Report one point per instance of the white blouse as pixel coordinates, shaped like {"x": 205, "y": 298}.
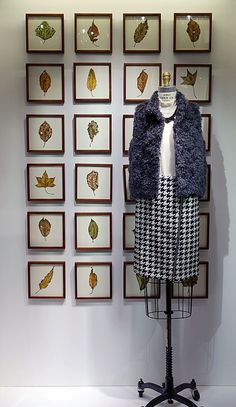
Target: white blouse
{"x": 167, "y": 148}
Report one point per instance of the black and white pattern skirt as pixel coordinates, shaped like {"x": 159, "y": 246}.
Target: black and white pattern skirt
{"x": 167, "y": 235}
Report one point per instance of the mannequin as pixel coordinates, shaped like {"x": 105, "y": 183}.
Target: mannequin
{"x": 167, "y": 176}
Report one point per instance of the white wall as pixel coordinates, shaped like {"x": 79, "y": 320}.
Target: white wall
{"x": 68, "y": 343}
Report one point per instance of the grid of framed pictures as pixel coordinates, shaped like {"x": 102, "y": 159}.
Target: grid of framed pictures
{"x": 92, "y": 84}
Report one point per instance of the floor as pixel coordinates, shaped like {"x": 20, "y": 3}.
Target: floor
{"x": 104, "y": 397}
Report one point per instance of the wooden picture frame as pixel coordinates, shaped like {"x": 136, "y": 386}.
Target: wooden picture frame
{"x": 199, "y": 290}
{"x": 140, "y": 81}
{"x": 128, "y": 231}
{"x": 93, "y": 33}
{"x": 194, "y": 81}
{"x": 93, "y": 183}
{"x": 142, "y": 33}
{"x": 127, "y": 132}
{"x": 93, "y": 133}
{"x": 93, "y": 231}
{"x": 207, "y": 195}
{"x": 127, "y": 196}
{"x": 92, "y": 82}
{"x": 134, "y": 286}
{"x": 204, "y": 230}
{"x": 192, "y": 32}
{"x": 45, "y": 134}
{"x": 206, "y": 130}
{"x": 44, "y": 33}
{"x": 93, "y": 281}
{"x": 46, "y": 182}
{"x": 45, "y": 83}
{"x": 46, "y": 230}
{"x": 46, "y": 280}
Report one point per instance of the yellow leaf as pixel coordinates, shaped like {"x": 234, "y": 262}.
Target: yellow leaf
{"x": 45, "y": 182}
{"x": 44, "y": 283}
{"x": 91, "y": 80}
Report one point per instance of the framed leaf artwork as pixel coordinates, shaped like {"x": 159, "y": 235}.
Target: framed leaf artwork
{"x": 127, "y": 131}
{"x": 140, "y": 81}
{"x": 45, "y": 83}
{"x": 141, "y": 33}
{"x": 93, "y": 133}
{"x": 45, "y": 134}
{"x": 206, "y": 130}
{"x": 200, "y": 288}
{"x": 93, "y": 231}
{"x": 137, "y": 286}
{"x": 204, "y": 231}
{"x": 192, "y": 32}
{"x": 45, "y": 33}
{"x": 128, "y": 230}
{"x": 92, "y": 82}
{"x": 93, "y": 183}
{"x": 93, "y": 281}
{"x": 93, "y": 33}
{"x": 46, "y": 230}
{"x": 46, "y": 182}
{"x": 46, "y": 279}
{"x": 127, "y": 196}
{"x": 206, "y": 197}
{"x": 194, "y": 81}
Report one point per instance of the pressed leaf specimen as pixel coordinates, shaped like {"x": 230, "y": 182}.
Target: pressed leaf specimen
{"x": 91, "y": 80}
{"x": 93, "y": 33}
{"x": 45, "y": 132}
{"x": 142, "y": 281}
{"x": 44, "y": 283}
{"x": 45, "y": 182}
{"x": 44, "y": 227}
{"x": 142, "y": 81}
{"x": 93, "y": 280}
{"x": 92, "y": 130}
{"x": 193, "y": 31}
{"x": 190, "y": 80}
{"x": 45, "y": 81}
{"x": 93, "y": 229}
{"x": 45, "y": 31}
{"x": 140, "y": 32}
{"x": 92, "y": 180}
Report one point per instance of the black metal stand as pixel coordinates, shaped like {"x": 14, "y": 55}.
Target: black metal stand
{"x": 167, "y": 390}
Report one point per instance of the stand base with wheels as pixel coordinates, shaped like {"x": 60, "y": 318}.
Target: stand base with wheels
{"x": 167, "y": 390}
{"x": 170, "y": 393}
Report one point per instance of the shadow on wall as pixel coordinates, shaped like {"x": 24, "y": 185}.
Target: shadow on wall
{"x": 194, "y": 338}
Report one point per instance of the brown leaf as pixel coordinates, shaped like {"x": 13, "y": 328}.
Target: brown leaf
{"x": 140, "y": 32}
{"x": 92, "y": 180}
{"x": 93, "y": 33}
{"x": 193, "y": 30}
{"x": 142, "y": 281}
{"x": 93, "y": 280}
{"x": 45, "y": 132}
{"x": 142, "y": 81}
{"x": 45, "y": 81}
{"x": 44, "y": 227}
{"x": 45, "y": 182}
{"x": 91, "y": 80}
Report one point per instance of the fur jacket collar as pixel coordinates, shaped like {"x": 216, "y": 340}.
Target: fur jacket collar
{"x": 144, "y": 150}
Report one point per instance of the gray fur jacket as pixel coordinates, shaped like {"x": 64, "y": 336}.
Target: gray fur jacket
{"x": 144, "y": 150}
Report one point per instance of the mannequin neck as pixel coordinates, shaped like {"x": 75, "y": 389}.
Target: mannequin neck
{"x": 167, "y": 98}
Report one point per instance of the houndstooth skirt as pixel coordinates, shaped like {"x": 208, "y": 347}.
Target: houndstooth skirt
{"x": 167, "y": 235}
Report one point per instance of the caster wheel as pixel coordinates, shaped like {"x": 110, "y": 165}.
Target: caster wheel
{"x": 196, "y": 395}
{"x": 140, "y": 393}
